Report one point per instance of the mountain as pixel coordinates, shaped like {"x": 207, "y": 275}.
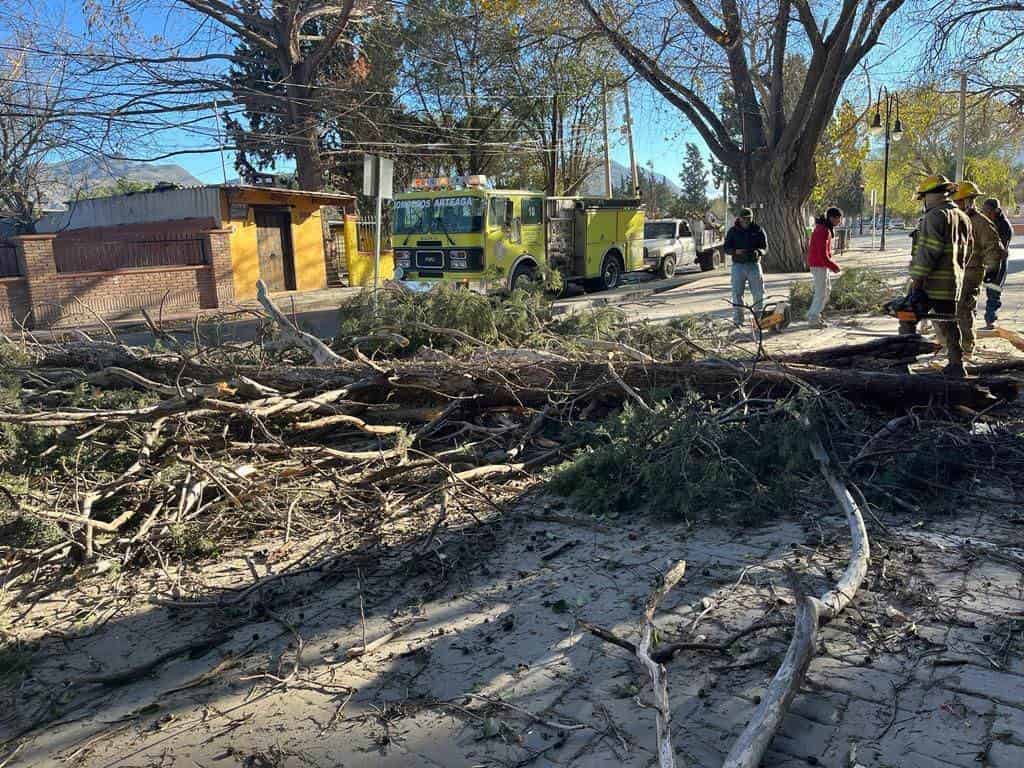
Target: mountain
{"x": 594, "y": 185}
{"x": 73, "y": 176}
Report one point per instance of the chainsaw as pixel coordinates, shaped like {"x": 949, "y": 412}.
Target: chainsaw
{"x": 775, "y": 317}
{"x": 907, "y": 311}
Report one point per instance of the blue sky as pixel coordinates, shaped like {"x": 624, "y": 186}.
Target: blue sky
{"x": 660, "y": 131}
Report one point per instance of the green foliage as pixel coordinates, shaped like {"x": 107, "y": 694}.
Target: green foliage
{"x": 525, "y": 318}
{"x": 857, "y": 289}
{"x": 839, "y": 161}
{"x": 120, "y": 187}
{"x": 190, "y": 542}
{"x": 801, "y": 294}
{"x": 929, "y": 115}
{"x": 26, "y": 446}
{"x": 684, "y": 461}
{"x": 27, "y": 532}
{"x": 693, "y": 199}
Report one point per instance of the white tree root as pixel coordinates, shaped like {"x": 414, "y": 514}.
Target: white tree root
{"x": 748, "y": 750}
{"x": 659, "y": 677}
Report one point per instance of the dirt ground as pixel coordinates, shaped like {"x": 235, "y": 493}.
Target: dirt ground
{"x": 476, "y": 656}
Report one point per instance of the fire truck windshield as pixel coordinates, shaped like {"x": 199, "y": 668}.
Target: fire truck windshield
{"x": 453, "y": 215}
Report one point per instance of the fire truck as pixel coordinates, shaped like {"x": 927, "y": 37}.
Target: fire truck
{"x": 461, "y": 230}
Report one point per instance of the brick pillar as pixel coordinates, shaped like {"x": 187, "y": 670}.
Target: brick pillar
{"x": 218, "y": 251}
{"x": 35, "y": 256}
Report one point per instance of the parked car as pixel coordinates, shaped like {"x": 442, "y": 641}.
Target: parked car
{"x": 671, "y": 243}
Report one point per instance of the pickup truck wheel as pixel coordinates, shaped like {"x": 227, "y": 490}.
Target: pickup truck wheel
{"x": 667, "y": 268}
{"x": 706, "y": 260}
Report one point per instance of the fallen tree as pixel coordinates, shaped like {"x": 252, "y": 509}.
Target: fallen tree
{"x": 130, "y": 456}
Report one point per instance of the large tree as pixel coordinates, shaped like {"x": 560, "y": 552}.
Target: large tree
{"x": 297, "y": 40}
{"x": 691, "y": 50}
{"x": 352, "y": 98}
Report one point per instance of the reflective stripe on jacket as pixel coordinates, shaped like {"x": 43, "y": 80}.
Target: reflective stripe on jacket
{"x": 943, "y": 240}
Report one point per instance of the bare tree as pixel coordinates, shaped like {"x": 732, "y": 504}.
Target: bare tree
{"x": 692, "y": 50}
{"x": 46, "y": 118}
{"x": 986, "y": 39}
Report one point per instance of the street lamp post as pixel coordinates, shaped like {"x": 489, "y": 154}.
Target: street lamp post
{"x": 860, "y": 209}
{"x": 895, "y": 134}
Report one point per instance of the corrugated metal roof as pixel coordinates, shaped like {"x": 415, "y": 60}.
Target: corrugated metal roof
{"x": 196, "y": 202}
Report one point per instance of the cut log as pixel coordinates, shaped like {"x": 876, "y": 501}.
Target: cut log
{"x": 887, "y": 352}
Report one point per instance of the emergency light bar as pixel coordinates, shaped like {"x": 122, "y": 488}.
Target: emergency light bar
{"x": 450, "y": 182}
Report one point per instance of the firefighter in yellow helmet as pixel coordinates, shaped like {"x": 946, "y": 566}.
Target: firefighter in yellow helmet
{"x": 942, "y": 242}
{"x": 986, "y": 252}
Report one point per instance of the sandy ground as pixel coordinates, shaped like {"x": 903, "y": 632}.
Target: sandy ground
{"x": 490, "y": 666}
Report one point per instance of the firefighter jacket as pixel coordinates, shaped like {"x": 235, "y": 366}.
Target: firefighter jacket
{"x": 988, "y": 250}
{"x": 943, "y": 241}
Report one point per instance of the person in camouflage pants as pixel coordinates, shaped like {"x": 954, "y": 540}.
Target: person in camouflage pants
{"x": 986, "y": 253}
{"x": 942, "y": 242}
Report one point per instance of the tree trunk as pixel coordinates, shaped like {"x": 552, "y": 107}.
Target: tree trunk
{"x": 309, "y": 167}
{"x": 783, "y": 224}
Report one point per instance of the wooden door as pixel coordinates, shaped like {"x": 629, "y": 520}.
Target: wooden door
{"x": 273, "y": 241}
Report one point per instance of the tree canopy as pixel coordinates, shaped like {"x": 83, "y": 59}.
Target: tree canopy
{"x": 930, "y": 130}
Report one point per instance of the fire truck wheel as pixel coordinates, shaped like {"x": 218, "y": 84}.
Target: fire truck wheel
{"x": 611, "y": 272}
{"x": 523, "y": 277}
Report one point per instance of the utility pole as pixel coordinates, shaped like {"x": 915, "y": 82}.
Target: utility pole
{"x": 220, "y": 142}
{"x": 961, "y": 150}
{"x": 629, "y": 138}
{"x": 555, "y": 125}
{"x": 607, "y": 147}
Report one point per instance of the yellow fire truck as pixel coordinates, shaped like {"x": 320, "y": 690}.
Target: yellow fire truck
{"x": 460, "y": 230}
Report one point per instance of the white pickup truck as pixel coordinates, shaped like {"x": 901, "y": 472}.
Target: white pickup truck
{"x": 672, "y": 243}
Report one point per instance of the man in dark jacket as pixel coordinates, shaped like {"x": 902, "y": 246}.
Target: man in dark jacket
{"x": 995, "y": 279}
{"x": 746, "y": 243}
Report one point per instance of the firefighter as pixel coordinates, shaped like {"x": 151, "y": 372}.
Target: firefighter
{"x": 995, "y": 279}
{"x": 985, "y": 253}
{"x": 943, "y": 239}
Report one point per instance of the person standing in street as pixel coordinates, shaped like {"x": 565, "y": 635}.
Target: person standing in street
{"x": 746, "y": 243}
{"x": 819, "y": 259}
{"x": 943, "y": 240}
{"x": 995, "y": 279}
{"x": 985, "y": 253}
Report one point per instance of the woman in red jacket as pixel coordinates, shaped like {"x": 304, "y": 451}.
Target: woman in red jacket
{"x": 819, "y": 259}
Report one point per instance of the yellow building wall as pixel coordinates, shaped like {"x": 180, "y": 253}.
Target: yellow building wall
{"x": 306, "y": 231}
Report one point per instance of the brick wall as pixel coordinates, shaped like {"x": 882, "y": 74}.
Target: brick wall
{"x": 120, "y": 294}
{"x": 14, "y": 303}
{"x": 81, "y": 297}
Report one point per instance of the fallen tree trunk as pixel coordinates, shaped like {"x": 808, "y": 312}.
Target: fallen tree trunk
{"x": 508, "y": 379}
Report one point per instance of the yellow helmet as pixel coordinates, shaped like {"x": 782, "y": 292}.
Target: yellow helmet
{"x": 935, "y": 183}
{"x": 966, "y": 190}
